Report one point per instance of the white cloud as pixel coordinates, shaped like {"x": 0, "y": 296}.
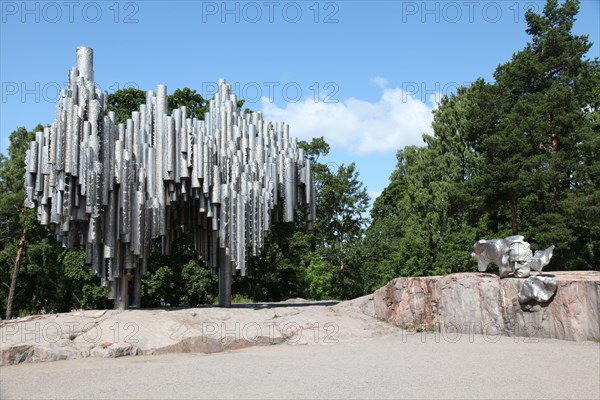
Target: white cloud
{"x": 396, "y": 120}
{"x": 374, "y": 194}
{"x": 380, "y": 81}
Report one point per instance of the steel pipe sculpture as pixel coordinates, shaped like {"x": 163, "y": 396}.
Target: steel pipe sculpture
{"x": 115, "y": 187}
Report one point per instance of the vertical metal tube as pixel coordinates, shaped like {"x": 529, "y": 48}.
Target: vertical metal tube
{"x": 85, "y": 62}
{"x": 288, "y": 215}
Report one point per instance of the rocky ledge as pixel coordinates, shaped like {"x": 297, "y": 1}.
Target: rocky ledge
{"x": 474, "y": 303}
{"x": 116, "y": 333}
{"x": 482, "y": 303}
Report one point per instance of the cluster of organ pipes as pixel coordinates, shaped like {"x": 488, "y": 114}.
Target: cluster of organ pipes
{"x": 114, "y": 187}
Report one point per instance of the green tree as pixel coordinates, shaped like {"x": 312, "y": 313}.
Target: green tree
{"x": 195, "y": 104}
{"x": 179, "y": 278}
{"x": 519, "y": 155}
{"x": 342, "y": 202}
{"x": 124, "y": 101}
{"x": 546, "y": 95}
{"x": 321, "y": 263}
{"x": 83, "y": 289}
{"x": 39, "y": 282}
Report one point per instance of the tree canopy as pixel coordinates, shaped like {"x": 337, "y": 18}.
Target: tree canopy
{"x": 518, "y": 155}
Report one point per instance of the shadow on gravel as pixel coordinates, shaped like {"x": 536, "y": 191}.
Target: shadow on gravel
{"x": 253, "y": 306}
{"x": 260, "y": 306}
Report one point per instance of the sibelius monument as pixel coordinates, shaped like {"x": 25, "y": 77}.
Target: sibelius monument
{"x": 114, "y": 187}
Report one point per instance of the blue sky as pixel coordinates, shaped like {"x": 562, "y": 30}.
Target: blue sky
{"x": 364, "y": 74}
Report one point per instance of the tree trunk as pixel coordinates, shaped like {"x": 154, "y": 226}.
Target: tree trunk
{"x": 554, "y": 141}
{"x": 13, "y": 282}
{"x": 513, "y": 213}
{"x": 554, "y": 147}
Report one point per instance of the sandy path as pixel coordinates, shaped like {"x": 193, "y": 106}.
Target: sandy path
{"x": 415, "y": 366}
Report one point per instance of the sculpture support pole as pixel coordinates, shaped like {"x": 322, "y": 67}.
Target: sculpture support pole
{"x": 224, "y": 280}
{"x": 137, "y": 293}
{"x": 122, "y": 299}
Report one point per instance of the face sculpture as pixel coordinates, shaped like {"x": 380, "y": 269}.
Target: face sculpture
{"x": 519, "y": 258}
{"x": 512, "y": 255}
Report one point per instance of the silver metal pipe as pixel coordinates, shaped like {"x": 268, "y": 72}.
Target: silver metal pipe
{"x": 85, "y": 63}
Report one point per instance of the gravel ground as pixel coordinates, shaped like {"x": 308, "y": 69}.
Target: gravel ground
{"x": 426, "y": 366}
